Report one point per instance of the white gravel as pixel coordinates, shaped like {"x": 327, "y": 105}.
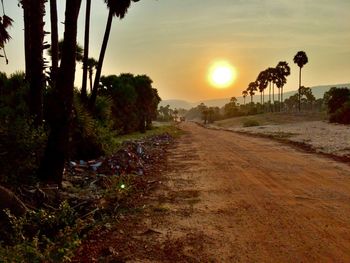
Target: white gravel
{"x": 321, "y": 136}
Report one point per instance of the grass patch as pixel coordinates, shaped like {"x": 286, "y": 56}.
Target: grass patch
{"x": 161, "y": 209}
{"x": 250, "y": 123}
{"x": 274, "y": 118}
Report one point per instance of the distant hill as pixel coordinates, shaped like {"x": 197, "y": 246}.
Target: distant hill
{"x": 318, "y": 92}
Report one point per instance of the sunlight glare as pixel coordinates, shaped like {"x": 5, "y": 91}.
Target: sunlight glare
{"x": 222, "y": 74}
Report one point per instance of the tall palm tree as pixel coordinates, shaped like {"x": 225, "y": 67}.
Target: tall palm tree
{"x": 300, "y": 59}
{"x": 262, "y": 81}
{"x": 283, "y": 70}
{"x": 86, "y": 50}
{"x": 54, "y": 40}
{"x": 34, "y": 11}
{"x": 51, "y": 167}
{"x": 117, "y": 8}
{"x": 245, "y": 94}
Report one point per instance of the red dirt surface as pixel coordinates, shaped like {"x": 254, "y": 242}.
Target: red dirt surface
{"x": 225, "y": 197}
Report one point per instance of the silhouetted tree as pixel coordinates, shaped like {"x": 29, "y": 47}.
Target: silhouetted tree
{"x": 5, "y": 23}
{"x": 252, "y": 87}
{"x": 51, "y": 168}
{"x": 34, "y": 11}
{"x": 262, "y": 83}
{"x": 86, "y": 51}
{"x": 54, "y": 40}
{"x": 245, "y": 94}
{"x": 119, "y": 9}
{"x": 300, "y": 59}
{"x": 282, "y": 70}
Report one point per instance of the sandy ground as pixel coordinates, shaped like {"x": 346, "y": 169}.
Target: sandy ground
{"x": 226, "y": 197}
{"x": 321, "y": 136}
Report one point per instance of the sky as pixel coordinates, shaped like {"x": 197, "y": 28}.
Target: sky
{"x": 175, "y": 42}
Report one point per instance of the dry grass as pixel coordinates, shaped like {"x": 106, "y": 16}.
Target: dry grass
{"x": 272, "y": 119}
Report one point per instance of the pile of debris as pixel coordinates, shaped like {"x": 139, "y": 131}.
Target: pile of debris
{"x": 84, "y": 181}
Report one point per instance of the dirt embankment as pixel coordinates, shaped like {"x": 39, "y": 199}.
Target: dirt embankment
{"x": 226, "y": 197}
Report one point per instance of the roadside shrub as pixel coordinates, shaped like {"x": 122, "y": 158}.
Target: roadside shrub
{"x": 250, "y": 123}
{"x": 338, "y": 103}
{"x": 41, "y": 236}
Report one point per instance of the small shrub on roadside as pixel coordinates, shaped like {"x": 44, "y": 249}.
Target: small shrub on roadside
{"x": 250, "y": 123}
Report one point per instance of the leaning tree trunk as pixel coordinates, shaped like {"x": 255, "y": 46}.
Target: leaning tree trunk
{"x": 86, "y": 51}
{"x": 100, "y": 61}
{"x": 51, "y": 169}
{"x": 54, "y": 41}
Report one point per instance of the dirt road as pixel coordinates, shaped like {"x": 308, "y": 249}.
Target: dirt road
{"x": 226, "y": 197}
{"x": 232, "y": 198}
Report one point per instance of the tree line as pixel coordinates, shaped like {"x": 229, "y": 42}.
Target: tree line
{"x": 44, "y": 104}
{"x": 275, "y": 76}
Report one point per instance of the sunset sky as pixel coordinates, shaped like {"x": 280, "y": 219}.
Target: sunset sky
{"x": 175, "y": 42}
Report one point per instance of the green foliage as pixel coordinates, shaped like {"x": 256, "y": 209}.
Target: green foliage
{"x": 41, "y": 236}
{"x": 250, "y": 123}
{"x": 338, "y": 102}
{"x": 21, "y": 145}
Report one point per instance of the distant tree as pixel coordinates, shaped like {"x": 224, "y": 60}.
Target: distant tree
{"x": 282, "y": 71}
{"x": 231, "y": 109}
{"x": 252, "y": 87}
{"x": 300, "y": 59}
{"x": 119, "y": 9}
{"x": 91, "y": 66}
{"x": 262, "y": 83}
{"x": 245, "y": 94}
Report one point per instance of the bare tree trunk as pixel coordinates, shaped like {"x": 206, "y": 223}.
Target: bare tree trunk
{"x": 86, "y": 50}
{"x": 51, "y": 168}
{"x": 100, "y": 60}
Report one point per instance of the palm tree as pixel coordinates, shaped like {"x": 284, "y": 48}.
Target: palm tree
{"x": 300, "y": 59}
{"x": 119, "y": 9}
{"x": 245, "y": 94}
{"x": 54, "y": 40}
{"x": 262, "y": 81}
{"x": 91, "y": 66}
{"x": 252, "y": 87}
{"x": 34, "y": 11}
{"x": 86, "y": 51}
{"x": 283, "y": 70}
{"x": 51, "y": 167}
{"x": 5, "y": 22}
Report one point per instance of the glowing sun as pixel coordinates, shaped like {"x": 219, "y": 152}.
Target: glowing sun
{"x": 222, "y": 74}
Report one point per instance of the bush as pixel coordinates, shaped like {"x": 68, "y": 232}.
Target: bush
{"x": 41, "y": 236}
{"x": 342, "y": 114}
{"x": 250, "y": 123}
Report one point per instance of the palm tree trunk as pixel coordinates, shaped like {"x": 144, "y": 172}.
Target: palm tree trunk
{"x": 26, "y": 18}
{"x": 51, "y": 168}
{"x": 86, "y": 50}
{"x": 270, "y": 97}
{"x": 282, "y": 103}
{"x": 100, "y": 60}
{"x": 90, "y": 80}
{"x": 54, "y": 40}
{"x": 299, "y": 89}
{"x": 37, "y": 60}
